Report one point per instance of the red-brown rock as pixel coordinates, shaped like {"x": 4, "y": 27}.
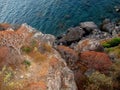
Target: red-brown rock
{"x": 69, "y": 55}
{"x": 96, "y": 60}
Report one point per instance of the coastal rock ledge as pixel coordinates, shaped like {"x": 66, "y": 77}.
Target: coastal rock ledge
{"x": 28, "y": 61}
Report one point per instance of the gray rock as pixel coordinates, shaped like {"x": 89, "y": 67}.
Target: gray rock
{"x": 109, "y": 27}
{"x": 88, "y": 26}
{"x": 46, "y": 38}
{"x": 89, "y": 45}
{"x": 97, "y": 34}
{"x": 72, "y": 35}
{"x": 60, "y": 77}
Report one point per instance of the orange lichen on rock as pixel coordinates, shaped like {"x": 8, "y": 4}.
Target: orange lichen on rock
{"x": 67, "y": 52}
{"x": 96, "y": 60}
{"x": 69, "y": 55}
{"x": 53, "y": 61}
{"x": 14, "y": 39}
{"x": 4, "y": 51}
{"x": 5, "y": 26}
{"x": 37, "y": 86}
{"x": 67, "y": 49}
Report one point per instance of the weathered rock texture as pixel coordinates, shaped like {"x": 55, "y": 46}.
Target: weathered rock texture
{"x": 96, "y": 60}
{"x": 23, "y": 66}
{"x": 89, "y": 45}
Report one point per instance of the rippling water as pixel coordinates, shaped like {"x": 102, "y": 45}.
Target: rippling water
{"x": 55, "y": 16}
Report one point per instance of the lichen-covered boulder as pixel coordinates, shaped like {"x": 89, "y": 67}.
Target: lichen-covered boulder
{"x": 89, "y": 45}
{"x": 96, "y": 60}
{"x": 69, "y": 55}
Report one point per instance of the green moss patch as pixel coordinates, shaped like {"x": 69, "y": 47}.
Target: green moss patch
{"x": 111, "y": 43}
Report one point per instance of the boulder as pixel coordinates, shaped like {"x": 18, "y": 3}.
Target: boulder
{"x": 110, "y": 27}
{"x": 88, "y": 26}
{"x": 96, "y": 60}
{"x": 72, "y": 35}
{"x": 89, "y": 45}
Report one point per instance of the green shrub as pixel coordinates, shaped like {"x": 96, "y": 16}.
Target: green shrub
{"x": 106, "y": 45}
{"x": 26, "y": 49}
{"x": 100, "y": 81}
{"x": 27, "y": 63}
{"x": 113, "y": 42}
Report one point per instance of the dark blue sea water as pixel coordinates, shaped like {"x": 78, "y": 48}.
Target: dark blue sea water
{"x": 55, "y": 16}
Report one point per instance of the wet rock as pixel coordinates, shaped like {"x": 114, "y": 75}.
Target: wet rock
{"x": 96, "y": 60}
{"x": 89, "y": 45}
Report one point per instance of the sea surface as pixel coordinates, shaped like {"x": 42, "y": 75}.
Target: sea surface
{"x": 55, "y": 16}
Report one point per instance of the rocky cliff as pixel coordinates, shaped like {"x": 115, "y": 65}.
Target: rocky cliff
{"x": 86, "y": 57}
{"x": 28, "y": 61}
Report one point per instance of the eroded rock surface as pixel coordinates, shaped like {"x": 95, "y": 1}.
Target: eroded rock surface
{"x": 24, "y": 67}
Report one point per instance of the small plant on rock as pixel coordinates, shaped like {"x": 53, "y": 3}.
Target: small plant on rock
{"x": 111, "y": 43}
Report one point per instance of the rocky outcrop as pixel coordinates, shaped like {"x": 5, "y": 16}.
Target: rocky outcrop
{"x": 72, "y": 60}
{"x": 60, "y": 77}
{"x": 85, "y": 57}
{"x": 31, "y": 69}
{"x": 69, "y": 55}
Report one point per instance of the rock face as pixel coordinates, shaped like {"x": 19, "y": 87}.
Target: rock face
{"x": 72, "y": 60}
{"x": 31, "y": 69}
{"x": 77, "y": 60}
{"x": 60, "y": 77}
{"x": 96, "y": 60}
{"x": 89, "y": 45}
{"x": 70, "y": 56}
